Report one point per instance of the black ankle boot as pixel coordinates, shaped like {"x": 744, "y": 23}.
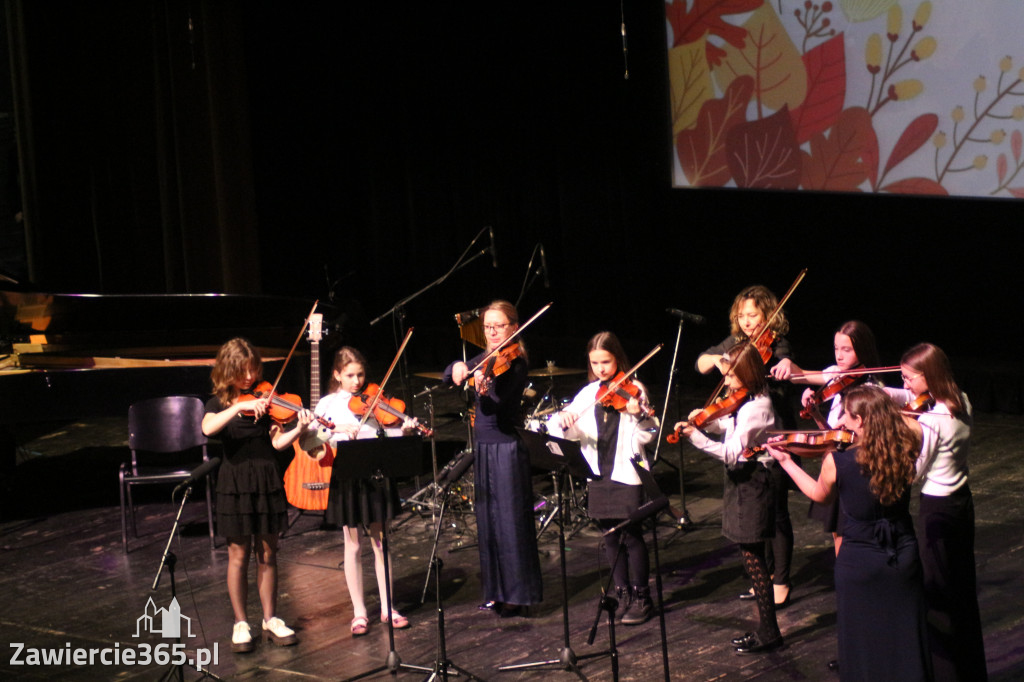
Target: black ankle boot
{"x": 625, "y": 599}
{"x": 641, "y": 608}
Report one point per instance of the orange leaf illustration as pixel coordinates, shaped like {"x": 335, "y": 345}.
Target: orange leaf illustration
{"x": 916, "y": 186}
{"x": 834, "y": 163}
{"x": 764, "y": 154}
{"x": 701, "y": 149}
{"x": 917, "y": 133}
{"x": 706, "y": 19}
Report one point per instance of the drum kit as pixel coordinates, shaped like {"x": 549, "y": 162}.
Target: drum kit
{"x": 540, "y": 409}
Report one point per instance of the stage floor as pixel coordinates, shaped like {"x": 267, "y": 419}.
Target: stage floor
{"x": 67, "y": 585}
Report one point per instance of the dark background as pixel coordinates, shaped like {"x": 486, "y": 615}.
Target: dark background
{"x": 351, "y": 151}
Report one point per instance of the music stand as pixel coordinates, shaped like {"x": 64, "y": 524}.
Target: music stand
{"x": 653, "y": 492}
{"x": 380, "y": 459}
{"x": 563, "y": 456}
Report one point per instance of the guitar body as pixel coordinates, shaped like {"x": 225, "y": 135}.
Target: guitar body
{"x": 307, "y": 480}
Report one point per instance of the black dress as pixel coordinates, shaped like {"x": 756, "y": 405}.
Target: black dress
{"x": 250, "y": 487}
{"x": 881, "y": 606}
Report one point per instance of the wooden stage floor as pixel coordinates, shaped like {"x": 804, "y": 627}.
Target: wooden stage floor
{"x": 65, "y": 584}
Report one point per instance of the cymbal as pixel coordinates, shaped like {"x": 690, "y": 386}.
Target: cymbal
{"x": 430, "y": 375}
{"x": 553, "y": 371}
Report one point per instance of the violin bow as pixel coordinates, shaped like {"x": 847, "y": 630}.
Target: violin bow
{"x": 305, "y": 323}
{"x": 848, "y": 372}
{"x": 764, "y": 327}
{"x": 621, "y": 380}
{"x": 380, "y": 391}
{"x": 511, "y": 337}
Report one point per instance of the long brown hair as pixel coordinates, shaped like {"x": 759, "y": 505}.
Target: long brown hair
{"x": 748, "y": 367}
{"x": 888, "y": 448}
{"x": 766, "y": 302}
{"x": 929, "y": 359}
{"x": 607, "y": 341}
{"x": 342, "y": 358}
{"x": 233, "y": 360}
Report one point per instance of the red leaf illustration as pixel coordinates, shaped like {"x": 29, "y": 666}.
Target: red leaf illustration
{"x": 1016, "y": 191}
{"x": 916, "y": 186}
{"x": 1015, "y": 144}
{"x": 1001, "y": 167}
{"x": 701, "y": 149}
{"x": 826, "y": 89}
{"x": 835, "y": 163}
{"x": 916, "y": 134}
{"x": 706, "y": 18}
{"x": 764, "y": 154}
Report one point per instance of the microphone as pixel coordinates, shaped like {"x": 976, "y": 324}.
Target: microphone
{"x": 494, "y": 249}
{"x": 467, "y": 316}
{"x": 644, "y": 511}
{"x": 683, "y": 315}
{"x": 198, "y": 474}
{"x": 544, "y": 267}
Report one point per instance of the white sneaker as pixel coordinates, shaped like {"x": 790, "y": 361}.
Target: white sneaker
{"x": 241, "y": 638}
{"x": 279, "y": 633}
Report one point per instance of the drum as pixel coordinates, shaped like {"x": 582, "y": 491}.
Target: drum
{"x": 545, "y": 423}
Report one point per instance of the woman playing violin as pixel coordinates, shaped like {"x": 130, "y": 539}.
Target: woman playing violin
{"x": 610, "y": 438}
{"x": 747, "y": 507}
{"x": 946, "y": 515}
{"x": 751, "y": 308}
{"x": 353, "y": 504}
{"x": 877, "y": 575}
{"x": 854, "y": 346}
{"x": 506, "y": 534}
{"x": 250, "y": 491}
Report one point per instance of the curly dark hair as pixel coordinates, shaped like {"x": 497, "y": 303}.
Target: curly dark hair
{"x": 888, "y": 448}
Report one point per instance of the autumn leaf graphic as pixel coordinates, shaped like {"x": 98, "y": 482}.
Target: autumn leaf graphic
{"x": 763, "y": 154}
{"x": 705, "y": 18}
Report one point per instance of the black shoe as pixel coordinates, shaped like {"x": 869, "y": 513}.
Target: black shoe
{"x": 510, "y": 610}
{"x": 490, "y": 606}
{"x": 640, "y": 609}
{"x": 743, "y": 639}
{"x": 833, "y": 666}
{"x": 625, "y": 598}
{"x": 753, "y": 646}
{"x": 749, "y": 594}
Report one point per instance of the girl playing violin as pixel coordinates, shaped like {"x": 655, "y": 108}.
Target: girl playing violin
{"x": 747, "y": 508}
{"x": 751, "y": 308}
{"x": 854, "y": 347}
{"x": 506, "y": 535}
{"x": 877, "y": 574}
{"x": 610, "y": 439}
{"x": 946, "y": 514}
{"x": 353, "y": 504}
{"x": 251, "y": 504}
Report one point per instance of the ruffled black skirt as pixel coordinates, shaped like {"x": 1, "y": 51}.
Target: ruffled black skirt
{"x": 250, "y": 498}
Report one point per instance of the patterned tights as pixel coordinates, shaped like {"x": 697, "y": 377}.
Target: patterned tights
{"x": 756, "y": 568}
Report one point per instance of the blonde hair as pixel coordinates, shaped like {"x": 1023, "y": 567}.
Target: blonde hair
{"x": 234, "y": 359}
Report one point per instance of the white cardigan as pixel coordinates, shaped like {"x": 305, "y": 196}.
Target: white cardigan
{"x": 633, "y": 434}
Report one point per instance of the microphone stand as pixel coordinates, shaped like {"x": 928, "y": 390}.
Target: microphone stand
{"x": 176, "y": 670}
{"x": 683, "y": 520}
{"x": 397, "y": 310}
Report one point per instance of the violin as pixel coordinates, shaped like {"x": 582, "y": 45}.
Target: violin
{"x": 833, "y": 388}
{"x": 716, "y": 410}
{"x": 498, "y": 364}
{"x": 920, "y": 404}
{"x": 387, "y": 411}
{"x": 283, "y": 406}
{"x": 763, "y": 343}
{"x": 809, "y": 443}
{"x": 624, "y": 391}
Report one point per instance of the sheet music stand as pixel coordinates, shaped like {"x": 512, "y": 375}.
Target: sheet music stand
{"x": 564, "y": 457}
{"x": 380, "y": 459}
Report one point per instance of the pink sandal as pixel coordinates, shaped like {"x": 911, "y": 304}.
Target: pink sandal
{"x": 358, "y": 627}
{"x": 399, "y": 621}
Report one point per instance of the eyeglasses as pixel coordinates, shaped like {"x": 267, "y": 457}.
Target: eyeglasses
{"x": 907, "y": 379}
{"x": 495, "y": 327}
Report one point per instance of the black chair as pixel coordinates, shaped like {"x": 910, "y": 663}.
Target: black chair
{"x": 166, "y": 439}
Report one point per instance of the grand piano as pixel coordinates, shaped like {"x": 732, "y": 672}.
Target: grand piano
{"x": 71, "y": 356}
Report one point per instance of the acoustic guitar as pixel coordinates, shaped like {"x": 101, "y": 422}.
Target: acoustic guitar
{"x": 308, "y": 477}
